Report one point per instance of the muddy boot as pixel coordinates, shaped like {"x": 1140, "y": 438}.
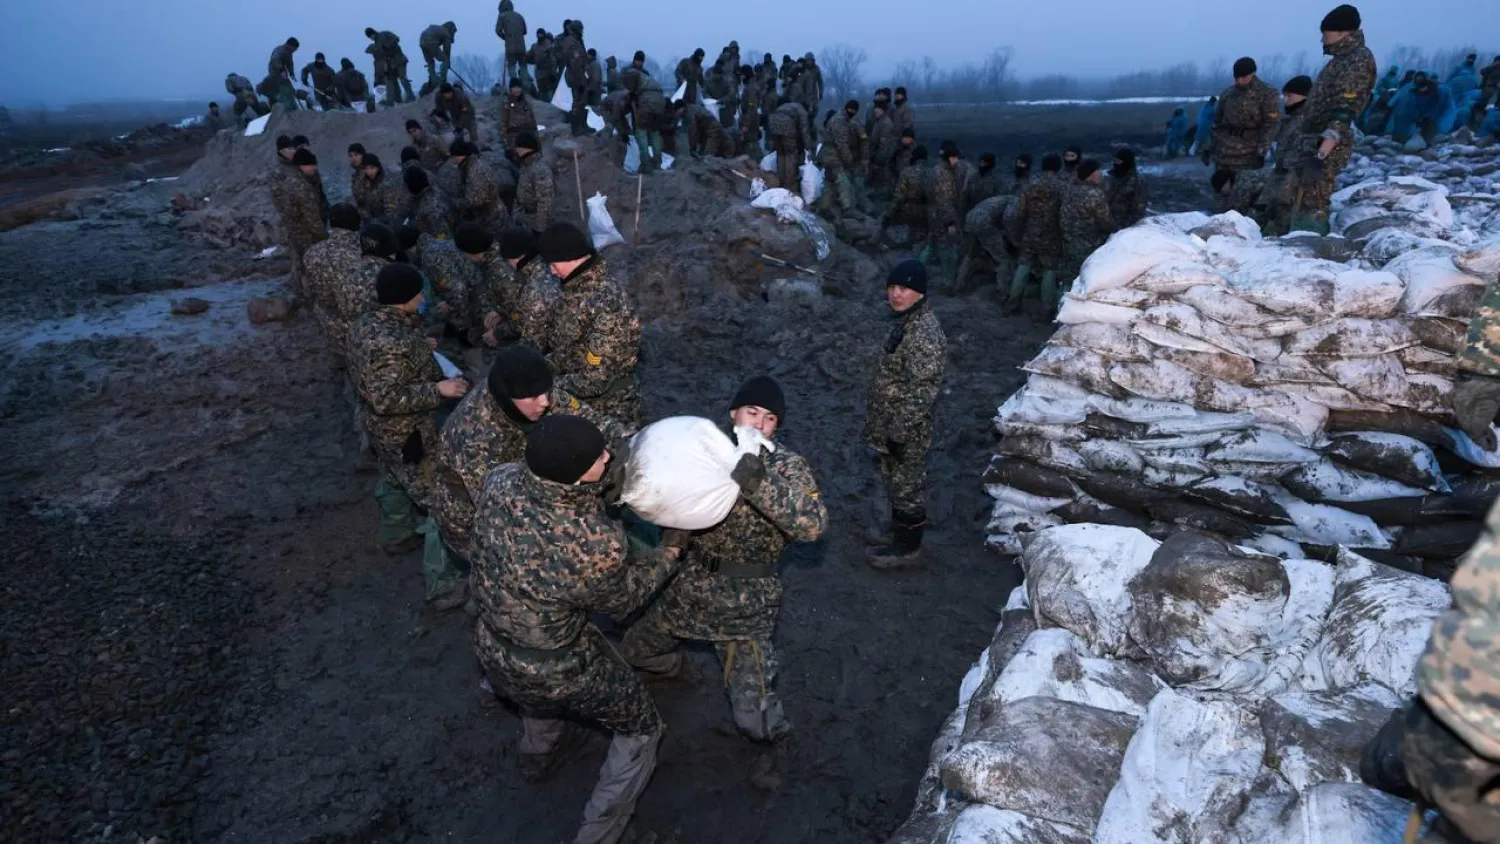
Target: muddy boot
{"x": 682, "y": 673}
{"x": 765, "y": 770}
{"x": 906, "y": 544}
{"x": 539, "y": 767}
{"x": 1017, "y": 293}
{"x": 453, "y": 599}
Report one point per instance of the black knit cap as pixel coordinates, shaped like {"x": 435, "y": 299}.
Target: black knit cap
{"x": 300, "y": 140}
{"x": 1298, "y": 85}
{"x": 416, "y": 180}
{"x": 1024, "y": 160}
{"x": 472, "y": 239}
{"x": 1244, "y": 67}
{"x": 344, "y": 216}
{"x": 761, "y": 391}
{"x": 1051, "y": 162}
{"x": 1126, "y": 155}
{"x": 408, "y": 236}
{"x": 562, "y": 448}
{"x": 527, "y": 140}
{"x": 377, "y": 239}
{"x": 398, "y": 284}
{"x": 284, "y": 142}
{"x": 305, "y": 158}
{"x": 517, "y": 243}
{"x": 563, "y": 242}
{"x": 1220, "y": 178}
{"x": 519, "y": 372}
{"x": 412, "y": 124}
{"x": 445, "y": 88}
{"x": 919, "y": 153}
{"x": 1344, "y": 18}
{"x": 1087, "y": 168}
{"x": 359, "y": 148}
{"x": 462, "y": 148}
{"x": 852, "y": 107}
{"x": 640, "y": 55}
{"x": 370, "y": 159}
{"x": 410, "y": 154}
{"x": 910, "y": 274}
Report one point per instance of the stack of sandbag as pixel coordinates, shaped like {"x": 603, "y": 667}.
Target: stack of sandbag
{"x": 1184, "y": 691}
{"x": 1203, "y": 377}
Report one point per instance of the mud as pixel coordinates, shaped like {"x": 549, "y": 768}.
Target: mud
{"x": 202, "y": 642}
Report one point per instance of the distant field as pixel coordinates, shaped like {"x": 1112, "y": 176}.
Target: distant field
{"x": 1008, "y": 130}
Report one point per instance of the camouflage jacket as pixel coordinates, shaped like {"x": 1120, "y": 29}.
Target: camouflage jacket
{"x": 942, "y": 196}
{"x": 478, "y": 198}
{"x": 1085, "y": 219}
{"x": 1244, "y": 125}
{"x": 908, "y": 380}
{"x": 516, "y": 116}
{"x": 691, "y": 73}
{"x": 596, "y": 341}
{"x": 593, "y": 77}
{"x": 786, "y": 508}
{"x": 1127, "y": 199}
{"x": 541, "y": 295}
{"x": 612, "y": 79}
{"x": 1481, "y": 353}
{"x": 481, "y": 436}
{"x": 511, "y": 28}
{"x": 325, "y": 266}
{"x": 302, "y": 205}
{"x": 388, "y": 46}
{"x": 1289, "y": 138}
{"x": 543, "y": 57}
{"x": 498, "y": 291}
{"x": 322, "y": 77}
{"x": 1459, "y": 675}
{"x": 910, "y": 195}
{"x": 573, "y": 57}
{"x": 703, "y": 129}
{"x": 280, "y": 64}
{"x": 1342, "y": 90}
{"x": 883, "y": 142}
{"x": 432, "y": 212}
{"x": 789, "y": 120}
{"x": 535, "y": 192}
{"x": 545, "y": 555}
{"x": 905, "y": 119}
{"x": 843, "y": 145}
{"x": 351, "y": 84}
{"x": 616, "y": 111}
{"x": 436, "y": 41}
{"x": 460, "y": 111}
{"x": 354, "y": 293}
{"x": 453, "y": 278}
{"x": 431, "y": 151}
{"x": 396, "y": 377}
{"x": 385, "y": 200}
{"x": 238, "y": 85}
{"x": 1039, "y": 214}
{"x": 982, "y": 186}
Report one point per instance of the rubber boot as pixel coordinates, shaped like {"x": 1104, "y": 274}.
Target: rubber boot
{"x": 906, "y": 545}
{"x": 1310, "y": 222}
{"x": 947, "y": 255}
{"x": 643, "y": 147}
{"x": 1050, "y": 296}
{"x": 656, "y": 149}
{"x": 1017, "y": 291}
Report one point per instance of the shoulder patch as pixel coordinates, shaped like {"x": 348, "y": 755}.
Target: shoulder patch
{"x": 592, "y": 359}
{"x": 573, "y": 403}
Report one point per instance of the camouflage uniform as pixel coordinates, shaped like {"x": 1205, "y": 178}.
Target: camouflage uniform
{"x": 728, "y": 593}
{"x": 511, "y": 28}
{"x": 431, "y": 153}
{"x": 943, "y": 213}
{"x": 750, "y": 117}
{"x": 596, "y": 341}
{"x": 545, "y": 556}
{"x": 1127, "y": 199}
{"x": 691, "y": 73}
{"x": 985, "y": 229}
{"x": 303, "y": 208}
{"x": 593, "y": 82}
{"x": 842, "y": 158}
{"x": 385, "y": 200}
{"x": 325, "y": 265}
{"x": 323, "y": 79}
{"x": 543, "y": 59}
{"x": 1244, "y": 125}
{"x": 649, "y": 105}
{"x": 436, "y": 42}
{"x": 541, "y": 295}
{"x": 535, "y": 194}
{"x": 280, "y": 72}
{"x": 790, "y": 138}
{"x": 884, "y": 139}
{"x": 617, "y": 117}
{"x": 1339, "y": 95}
{"x": 906, "y": 119}
{"x": 460, "y": 111}
{"x": 454, "y": 279}
{"x": 1038, "y": 215}
{"x": 354, "y": 293}
{"x": 516, "y": 116}
{"x": 898, "y": 422}
{"x": 1086, "y": 224}
{"x": 247, "y": 104}
{"x": 706, "y": 136}
{"x": 396, "y": 378}
{"x": 351, "y": 87}
{"x": 909, "y": 198}
{"x": 392, "y": 60}
{"x": 574, "y": 58}
{"x": 478, "y": 198}
{"x": 433, "y": 213}
{"x": 498, "y": 291}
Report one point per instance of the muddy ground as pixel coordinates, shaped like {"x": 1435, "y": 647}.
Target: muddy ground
{"x": 201, "y": 642}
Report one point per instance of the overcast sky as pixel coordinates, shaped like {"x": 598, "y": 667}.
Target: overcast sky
{"x": 59, "y": 51}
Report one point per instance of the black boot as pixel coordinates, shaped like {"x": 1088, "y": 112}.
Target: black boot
{"x": 906, "y": 545}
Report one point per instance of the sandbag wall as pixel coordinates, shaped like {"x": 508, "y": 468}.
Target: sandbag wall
{"x": 1288, "y": 394}
{"x": 1178, "y": 692}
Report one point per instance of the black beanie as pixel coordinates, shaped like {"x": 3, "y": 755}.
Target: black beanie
{"x": 761, "y": 391}
{"x": 305, "y": 158}
{"x": 472, "y": 239}
{"x": 517, "y": 84}
{"x": 1220, "y": 178}
{"x": 910, "y": 274}
{"x": 1077, "y": 153}
{"x": 408, "y": 236}
{"x": 370, "y": 159}
{"x": 1345, "y": 18}
{"x": 1298, "y": 85}
{"x": 345, "y": 64}
{"x": 359, "y": 148}
{"x": 300, "y": 140}
{"x": 462, "y": 148}
{"x": 1127, "y": 156}
{"x": 412, "y": 124}
{"x": 284, "y": 142}
{"x": 1087, "y": 168}
{"x": 563, "y": 448}
{"x": 344, "y": 216}
{"x": 378, "y": 240}
{"x": 445, "y": 88}
{"x": 1051, "y": 162}
{"x": 416, "y": 180}
{"x": 527, "y": 140}
{"x": 519, "y": 372}
{"x": 919, "y": 153}
{"x": 640, "y": 55}
{"x": 517, "y": 243}
{"x": 949, "y": 150}
{"x": 397, "y": 284}
{"x": 564, "y": 242}
{"x": 410, "y": 154}
{"x": 1024, "y": 160}
{"x": 852, "y": 107}
{"x": 1244, "y": 67}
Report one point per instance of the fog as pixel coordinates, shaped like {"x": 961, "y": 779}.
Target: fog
{"x": 87, "y": 50}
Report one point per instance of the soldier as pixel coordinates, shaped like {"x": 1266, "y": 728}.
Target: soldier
{"x": 382, "y": 199}
{"x": 1202, "y": 133}
{"x": 729, "y": 98}
{"x": 545, "y": 63}
{"x": 1245, "y": 121}
{"x": 478, "y": 197}
{"x": 326, "y": 264}
{"x": 1040, "y": 228}
{"x": 432, "y": 153}
{"x": 706, "y": 136}
{"x": 436, "y": 42}
{"x": 320, "y": 77}
{"x": 536, "y": 190}
{"x": 1085, "y": 218}
{"x": 791, "y": 139}
{"x": 1071, "y": 158}
{"x": 596, "y": 337}
{"x": 432, "y": 210}
{"x": 749, "y": 118}
{"x": 511, "y": 28}
{"x": 943, "y": 213}
{"x": 401, "y": 387}
{"x": 1278, "y": 201}
{"x": 617, "y": 119}
{"x": 247, "y": 104}
{"x": 459, "y": 110}
{"x": 1176, "y": 131}
{"x": 298, "y": 197}
{"x": 280, "y": 71}
{"x": 906, "y": 119}
{"x": 898, "y": 424}
{"x": 214, "y": 121}
{"x": 883, "y": 145}
{"x": 649, "y": 105}
{"x": 611, "y": 76}
{"x": 497, "y": 289}
{"x": 593, "y": 80}
{"x": 351, "y": 87}
{"x": 541, "y": 294}
{"x": 808, "y": 91}
{"x": 842, "y": 158}
{"x": 1340, "y": 93}
{"x": 454, "y": 280}
{"x": 356, "y": 154}
{"x": 690, "y": 73}
{"x": 1239, "y": 192}
{"x": 516, "y": 115}
{"x": 1476, "y": 388}
{"x": 728, "y": 591}
{"x": 354, "y": 293}
{"x": 1126, "y": 191}
{"x": 985, "y": 183}
{"x": 385, "y": 46}
{"x": 575, "y": 60}
{"x": 984, "y": 232}
{"x": 909, "y": 198}
{"x": 545, "y": 557}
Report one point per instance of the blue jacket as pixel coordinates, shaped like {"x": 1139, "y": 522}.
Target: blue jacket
{"x": 1491, "y": 124}
{"x": 1463, "y": 81}
{"x": 1411, "y": 109}
{"x": 1176, "y": 129}
{"x": 1462, "y": 69}
{"x": 1206, "y": 121}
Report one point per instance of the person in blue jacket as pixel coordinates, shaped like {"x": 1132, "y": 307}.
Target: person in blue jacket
{"x": 1468, "y": 67}
{"x": 1467, "y": 110}
{"x": 1426, "y": 108}
{"x": 1176, "y": 132}
{"x": 1205, "y": 128}
{"x": 1490, "y": 128}
{"x": 1464, "y": 78}
{"x": 1387, "y": 85}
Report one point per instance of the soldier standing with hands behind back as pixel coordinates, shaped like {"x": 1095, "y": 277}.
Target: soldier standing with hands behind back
{"x": 1245, "y": 122}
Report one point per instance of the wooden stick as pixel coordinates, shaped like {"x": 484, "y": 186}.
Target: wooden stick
{"x": 578, "y": 180}
{"x": 635, "y": 235}
{"x": 789, "y": 265}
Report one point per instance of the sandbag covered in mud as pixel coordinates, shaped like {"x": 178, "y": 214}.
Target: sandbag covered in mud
{"x": 1440, "y": 540}
{"x": 1325, "y": 524}
{"x": 678, "y": 475}
{"x": 1056, "y": 664}
{"x": 1076, "y": 579}
{"x": 1028, "y": 476}
{"x": 1128, "y": 254}
{"x": 1328, "y": 481}
{"x": 981, "y": 824}
{"x": 1241, "y": 497}
{"x": 1400, "y": 458}
{"x": 1328, "y": 813}
{"x": 1321, "y": 736}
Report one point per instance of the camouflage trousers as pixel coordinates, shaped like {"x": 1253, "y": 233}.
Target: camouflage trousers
{"x": 906, "y": 477}
{"x": 578, "y": 118}
{"x": 986, "y": 244}
{"x": 736, "y": 614}
{"x": 838, "y": 191}
{"x": 1448, "y": 774}
{"x": 1317, "y": 192}
{"x": 1047, "y": 262}
{"x": 586, "y": 681}
{"x": 788, "y": 159}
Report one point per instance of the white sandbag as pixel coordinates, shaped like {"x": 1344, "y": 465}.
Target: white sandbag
{"x": 1327, "y": 813}
{"x": 1261, "y": 446}
{"x": 1009, "y": 520}
{"x": 1179, "y": 223}
{"x": 1324, "y": 524}
{"x": 1202, "y": 422}
{"x": 562, "y": 98}
{"x": 678, "y": 475}
{"x": 1180, "y": 461}
{"x": 1420, "y": 359}
{"x": 632, "y": 155}
{"x": 1023, "y": 500}
{"x": 1388, "y": 244}
{"x": 1195, "y": 441}
{"x": 1056, "y": 664}
{"x": 1230, "y": 224}
{"x": 1113, "y": 341}
{"x": 1482, "y": 261}
{"x": 1376, "y": 377}
{"x": 1139, "y": 410}
{"x": 1371, "y": 294}
{"x": 1429, "y": 279}
{"x": 1328, "y": 481}
{"x": 1243, "y": 497}
{"x": 1176, "y": 276}
{"x": 1321, "y": 736}
{"x": 1299, "y": 419}
{"x": 1286, "y": 285}
{"x": 257, "y": 126}
{"x": 1111, "y": 456}
{"x": 1276, "y": 546}
{"x": 448, "y": 368}
{"x": 1076, "y": 310}
{"x": 811, "y": 180}
{"x": 1024, "y": 406}
{"x": 768, "y": 162}
{"x": 1183, "y": 320}
{"x": 1470, "y": 451}
{"x": 1352, "y": 337}
{"x": 1427, "y": 394}
{"x": 1189, "y": 766}
{"x": 1174, "y": 479}
{"x": 1054, "y": 388}
{"x": 1126, "y": 297}
{"x": 1089, "y": 370}
{"x": 1221, "y": 306}
{"x": 1377, "y": 629}
{"x": 1289, "y": 369}
{"x": 1045, "y": 452}
{"x": 981, "y": 824}
{"x": 594, "y": 120}
{"x": 1076, "y": 577}
{"x": 1220, "y": 366}
{"x": 1128, "y": 254}
{"x": 1401, "y": 458}
{"x": 1070, "y": 434}
{"x": 601, "y": 227}
{"x": 680, "y": 93}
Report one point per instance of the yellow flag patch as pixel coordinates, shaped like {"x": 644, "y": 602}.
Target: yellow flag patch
{"x": 573, "y": 404}
{"x": 592, "y": 359}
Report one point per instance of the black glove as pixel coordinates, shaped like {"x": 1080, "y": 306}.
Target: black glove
{"x": 1312, "y": 169}
{"x": 897, "y": 450}
{"x": 1205, "y": 156}
{"x": 1476, "y": 400}
{"x": 1260, "y": 163}
{"x": 412, "y": 451}
{"x": 749, "y": 473}
{"x": 614, "y": 476}
{"x": 674, "y": 538}
{"x": 893, "y": 340}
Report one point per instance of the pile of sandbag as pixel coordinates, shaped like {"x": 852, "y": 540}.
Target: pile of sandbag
{"x": 1178, "y": 692}
{"x": 1470, "y": 174}
{"x": 1289, "y": 394}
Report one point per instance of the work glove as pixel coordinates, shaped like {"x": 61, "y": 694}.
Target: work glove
{"x": 1312, "y": 169}
{"x": 412, "y": 451}
{"x": 893, "y": 340}
{"x": 614, "y": 476}
{"x": 1205, "y": 156}
{"x": 674, "y": 538}
{"x": 897, "y": 450}
{"x": 749, "y": 473}
{"x": 1476, "y": 400}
